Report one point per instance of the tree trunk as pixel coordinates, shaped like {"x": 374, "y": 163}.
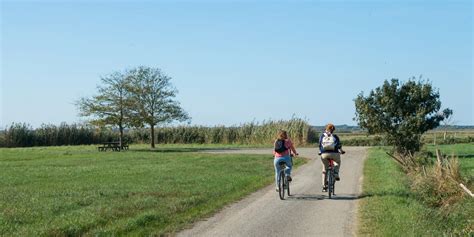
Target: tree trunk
{"x": 152, "y": 136}
{"x": 121, "y": 137}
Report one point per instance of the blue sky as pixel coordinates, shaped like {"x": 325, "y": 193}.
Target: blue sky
{"x": 234, "y": 61}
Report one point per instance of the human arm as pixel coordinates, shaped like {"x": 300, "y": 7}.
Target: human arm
{"x": 292, "y": 148}
{"x": 273, "y": 151}
{"x": 339, "y": 145}
{"x": 320, "y": 144}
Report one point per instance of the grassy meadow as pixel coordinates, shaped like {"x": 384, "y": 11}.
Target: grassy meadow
{"x": 390, "y": 208}
{"x": 75, "y": 190}
{"x": 465, "y": 153}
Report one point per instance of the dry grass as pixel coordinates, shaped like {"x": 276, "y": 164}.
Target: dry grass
{"x": 438, "y": 185}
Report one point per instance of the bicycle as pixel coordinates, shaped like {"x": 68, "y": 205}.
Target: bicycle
{"x": 331, "y": 178}
{"x": 283, "y": 183}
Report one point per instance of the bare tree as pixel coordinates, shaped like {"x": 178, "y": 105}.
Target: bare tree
{"x": 152, "y": 97}
{"x": 447, "y": 123}
{"x": 111, "y": 105}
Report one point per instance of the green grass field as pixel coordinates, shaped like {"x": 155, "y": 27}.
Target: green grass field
{"x": 465, "y": 153}
{"x": 79, "y": 191}
{"x": 389, "y": 208}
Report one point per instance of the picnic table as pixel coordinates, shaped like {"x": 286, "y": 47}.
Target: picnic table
{"x": 114, "y": 146}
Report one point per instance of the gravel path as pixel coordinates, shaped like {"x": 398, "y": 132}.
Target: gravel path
{"x": 307, "y": 212}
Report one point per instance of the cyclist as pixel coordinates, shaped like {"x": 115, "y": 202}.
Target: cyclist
{"x": 330, "y": 148}
{"x": 283, "y": 147}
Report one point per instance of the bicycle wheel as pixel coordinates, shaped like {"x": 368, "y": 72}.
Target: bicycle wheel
{"x": 330, "y": 182}
{"x": 281, "y": 185}
{"x": 334, "y": 186}
{"x": 288, "y": 186}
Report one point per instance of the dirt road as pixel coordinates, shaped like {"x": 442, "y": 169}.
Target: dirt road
{"x": 307, "y": 212}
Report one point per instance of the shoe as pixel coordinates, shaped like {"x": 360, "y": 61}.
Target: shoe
{"x": 289, "y": 178}
{"x": 325, "y": 189}
{"x": 278, "y": 190}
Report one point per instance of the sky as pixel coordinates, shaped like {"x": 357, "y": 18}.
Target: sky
{"x": 234, "y": 61}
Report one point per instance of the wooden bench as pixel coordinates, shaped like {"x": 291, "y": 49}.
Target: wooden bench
{"x": 102, "y": 148}
{"x": 125, "y": 146}
{"x": 114, "y": 146}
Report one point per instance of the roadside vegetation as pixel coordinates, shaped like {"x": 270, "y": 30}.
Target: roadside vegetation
{"x": 418, "y": 191}
{"x": 72, "y": 191}
{"x": 394, "y": 205}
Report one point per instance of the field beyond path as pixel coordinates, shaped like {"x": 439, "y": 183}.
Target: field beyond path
{"x": 76, "y": 190}
{"x": 307, "y": 212}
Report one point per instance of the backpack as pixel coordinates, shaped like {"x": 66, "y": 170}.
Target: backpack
{"x": 328, "y": 142}
{"x": 280, "y": 146}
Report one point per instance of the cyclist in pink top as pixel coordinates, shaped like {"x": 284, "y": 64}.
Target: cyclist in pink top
{"x": 283, "y": 147}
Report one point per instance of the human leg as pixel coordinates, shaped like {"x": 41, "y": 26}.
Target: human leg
{"x": 289, "y": 165}
{"x": 277, "y": 169}
{"x": 325, "y": 164}
{"x": 337, "y": 164}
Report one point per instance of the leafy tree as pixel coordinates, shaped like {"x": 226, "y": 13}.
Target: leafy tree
{"x": 111, "y": 105}
{"x": 152, "y": 97}
{"x": 402, "y": 112}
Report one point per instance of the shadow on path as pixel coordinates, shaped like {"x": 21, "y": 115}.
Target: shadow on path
{"x": 315, "y": 197}
{"x": 305, "y": 197}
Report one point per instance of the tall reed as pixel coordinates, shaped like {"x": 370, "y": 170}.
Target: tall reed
{"x": 23, "y": 135}
{"x": 252, "y": 133}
